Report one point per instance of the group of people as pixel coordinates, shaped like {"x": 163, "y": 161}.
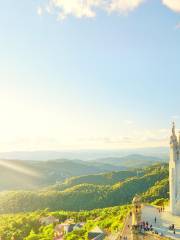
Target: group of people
{"x": 161, "y": 209}
{"x": 172, "y": 228}
{"x": 125, "y": 238}
{"x": 145, "y": 226}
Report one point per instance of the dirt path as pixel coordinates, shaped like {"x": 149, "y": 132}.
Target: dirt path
{"x": 126, "y": 232}
{"x": 127, "y": 228}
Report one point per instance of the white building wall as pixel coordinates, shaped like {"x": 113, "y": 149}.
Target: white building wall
{"x": 174, "y": 175}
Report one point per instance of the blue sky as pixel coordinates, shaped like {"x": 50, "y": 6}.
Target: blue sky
{"x": 77, "y": 76}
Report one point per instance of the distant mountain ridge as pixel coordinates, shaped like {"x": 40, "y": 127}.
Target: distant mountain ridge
{"x": 18, "y": 174}
{"x": 85, "y": 155}
{"x": 36, "y": 174}
{"x": 136, "y": 160}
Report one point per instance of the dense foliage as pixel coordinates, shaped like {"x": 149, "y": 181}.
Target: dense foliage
{"x": 96, "y": 191}
{"x": 36, "y": 174}
{"x": 27, "y": 226}
{"x": 24, "y": 226}
{"x": 77, "y": 197}
{"x": 109, "y": 178}
{"x": 43, "y": 173}
{"x": 159, "y": 190}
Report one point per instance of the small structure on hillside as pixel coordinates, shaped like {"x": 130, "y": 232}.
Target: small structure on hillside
{"x": 65, "y": 228}
{"x": 96, "y": 234}
{"x": 69, "y": 227}
{"x": 48, "y": 220}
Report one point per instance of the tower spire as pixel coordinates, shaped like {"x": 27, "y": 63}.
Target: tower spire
{"x": 173, "y": 129}
{"x": 173, "y": 139}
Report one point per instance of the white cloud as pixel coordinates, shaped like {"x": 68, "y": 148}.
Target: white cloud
{"x": 88, "y": 8}
{"x": 175, "y": 117}
{"x": 39, "y": 11}
{"x": 172, "y": 4}
{"x": 137, "y": 139}
{"x": 124, "y": 6}
{"x": 77, "y": 8}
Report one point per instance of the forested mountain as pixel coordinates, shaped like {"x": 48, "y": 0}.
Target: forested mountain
{"x": 36, "y": 174}
{"x": 159, "y": 190}
{"x": 109, "y": 178}
{"x": 90, "y": 195}
{"x": 133, "y": 160}
{"x": 93, "y": 194}
{"x": 42, "y": 173}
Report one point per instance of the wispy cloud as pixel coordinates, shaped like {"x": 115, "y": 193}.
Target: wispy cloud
{"x": 39, "y": 11}
{"x": 76, "y": 8}
{"x": 137, "y": 138}
{"x": 172, "y": 4}
{"x": 175, "y": 117}
{"x": 88, "y": 8}
{"x": 123, "y": 6}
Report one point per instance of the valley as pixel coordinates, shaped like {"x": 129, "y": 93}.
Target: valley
{"x": 95, "y": 193}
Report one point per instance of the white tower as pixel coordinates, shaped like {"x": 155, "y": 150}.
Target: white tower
{"x": 174, "y": 173}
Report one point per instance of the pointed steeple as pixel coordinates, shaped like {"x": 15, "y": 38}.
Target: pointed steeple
{"x": 173, "y": 139}
{"x": 173, "y": 129}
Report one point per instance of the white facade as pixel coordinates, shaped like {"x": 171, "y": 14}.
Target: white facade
{"x": 174, "y": 173}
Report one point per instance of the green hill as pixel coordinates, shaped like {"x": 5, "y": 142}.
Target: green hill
{"x": 159, "y": 190}
{"x": 109, "y": 178}
{"x": 86, "y": 196}
{"x": 36, "y": 174}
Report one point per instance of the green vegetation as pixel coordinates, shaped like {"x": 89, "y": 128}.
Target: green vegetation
{"x": 89, "y": 199}
{"x": 85, "y": 196}
{"x": 109, "y": 178}
{"x": 27, "y": 226}
{"x": 158, "y": 191}
{"x": 108, "y": 219}
{"x": 24, "y": 226}
{"x": 38, "y": 174}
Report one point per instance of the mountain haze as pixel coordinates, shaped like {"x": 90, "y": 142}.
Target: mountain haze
{"x": 37, "y": 174}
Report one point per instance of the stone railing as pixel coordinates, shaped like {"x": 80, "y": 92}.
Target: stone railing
{"x": 150, "y": 235}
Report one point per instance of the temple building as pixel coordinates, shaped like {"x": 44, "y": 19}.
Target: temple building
{"x": 174, "y": 173}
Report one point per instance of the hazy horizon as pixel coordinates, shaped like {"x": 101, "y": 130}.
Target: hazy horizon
{"x": 85, "y": 154}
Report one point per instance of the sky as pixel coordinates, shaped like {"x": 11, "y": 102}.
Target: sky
{"x": 88, "y": 74}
